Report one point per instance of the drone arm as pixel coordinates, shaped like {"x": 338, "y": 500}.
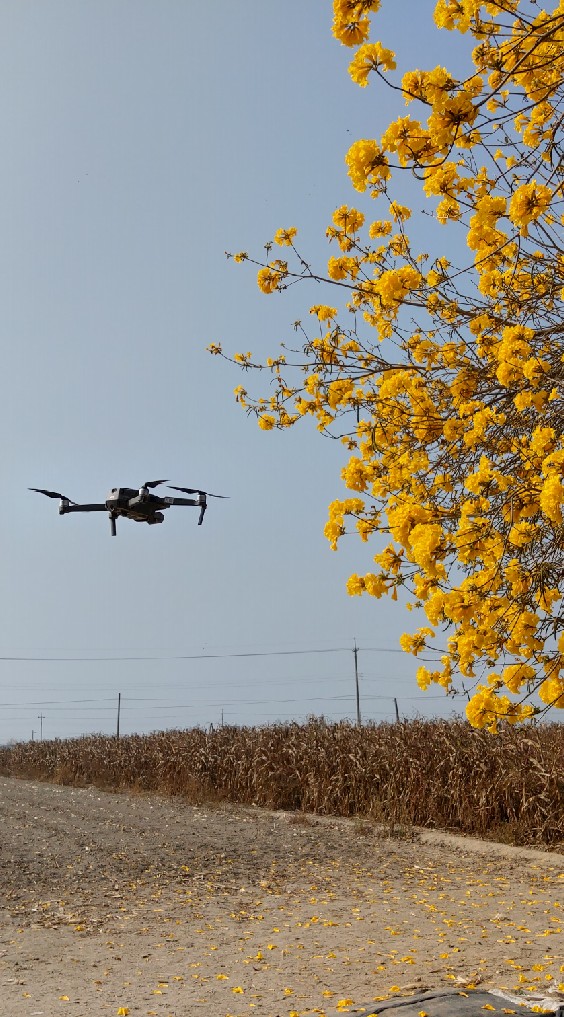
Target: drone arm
{"x": 181, "y": 501}
{"x": 200, "y": 502}
{"x": 65, "y": 507}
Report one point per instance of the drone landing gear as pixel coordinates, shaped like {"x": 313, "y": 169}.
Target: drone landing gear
{"x": 113, "y": 529}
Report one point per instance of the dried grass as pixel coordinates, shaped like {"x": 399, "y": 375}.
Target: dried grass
{"x": 423, "y": 773}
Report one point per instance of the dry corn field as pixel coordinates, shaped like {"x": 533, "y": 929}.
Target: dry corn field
{"x": 442, "y": 774}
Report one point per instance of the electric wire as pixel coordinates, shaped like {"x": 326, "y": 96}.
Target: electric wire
{"x": 196, "y": 656}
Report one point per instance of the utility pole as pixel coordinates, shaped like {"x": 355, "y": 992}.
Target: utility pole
{"x": 32, "y": 734}
{"x": 355, "y": 652}
{"x": 41, "y": 718}
{"x": 397, "y": 710}
{"x": 119, "y": 711}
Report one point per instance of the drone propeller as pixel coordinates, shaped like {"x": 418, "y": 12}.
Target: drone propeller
{"x": 196, "y": 490}
{"x": 52, "y": 494}
{"x": 153, "y": 483}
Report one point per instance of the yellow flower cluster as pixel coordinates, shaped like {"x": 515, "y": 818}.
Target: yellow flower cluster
{"x": 285, "y": 238}
{"x": 350, "y": 22}
{"x": 528, "y": 203}
{"x": 487, "y": 709}
{"x": 369, "y": 58}
{"x": 334, "y": 527}
{"x": 367, "y": 164}
{"x": 342, "y": 268}
{"x": 323, "y": 312}
{"x": 394, "y": 285}
{"x": 271, "y": 277}
{"x": 349, "y": 220}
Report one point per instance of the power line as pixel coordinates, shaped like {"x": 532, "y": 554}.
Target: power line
{"x": 191, "y": 656}
{"x": 199, "y": 656}
{"x": 228, "y": 683}
{"x": 126, "y": 701}
{"x": 54, "y": 702}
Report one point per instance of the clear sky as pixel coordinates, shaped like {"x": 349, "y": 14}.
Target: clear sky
{"x": 141, "y": 140}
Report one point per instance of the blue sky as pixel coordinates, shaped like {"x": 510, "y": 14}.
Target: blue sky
{"x": 142, "y": 140}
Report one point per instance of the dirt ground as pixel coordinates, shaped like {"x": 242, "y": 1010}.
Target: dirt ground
{"x": 126, "y": 904}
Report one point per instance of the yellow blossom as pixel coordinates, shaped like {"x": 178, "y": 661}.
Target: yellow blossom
{"x": 370, "y": 57}
{"x": 285, "y": 237}
{"x": 528, "y": 203}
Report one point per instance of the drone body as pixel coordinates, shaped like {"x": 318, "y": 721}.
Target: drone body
{"x": 134, "y": 503}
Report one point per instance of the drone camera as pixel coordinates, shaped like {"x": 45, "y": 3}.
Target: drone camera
{"x": 158, "y": 517}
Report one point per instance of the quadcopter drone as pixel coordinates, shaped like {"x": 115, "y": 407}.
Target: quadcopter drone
{"x": 140, "y": 505}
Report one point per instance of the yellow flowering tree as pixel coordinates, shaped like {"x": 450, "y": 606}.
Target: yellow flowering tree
{"x": 444, "y": 380}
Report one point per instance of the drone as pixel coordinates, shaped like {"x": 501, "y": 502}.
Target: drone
{"x": 135, "y": 503}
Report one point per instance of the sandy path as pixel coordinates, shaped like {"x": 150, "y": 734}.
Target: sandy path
{"x": 117, "y": 902}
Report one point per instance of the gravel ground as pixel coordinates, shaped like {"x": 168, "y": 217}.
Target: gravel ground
{"x": 115, "y": 903}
